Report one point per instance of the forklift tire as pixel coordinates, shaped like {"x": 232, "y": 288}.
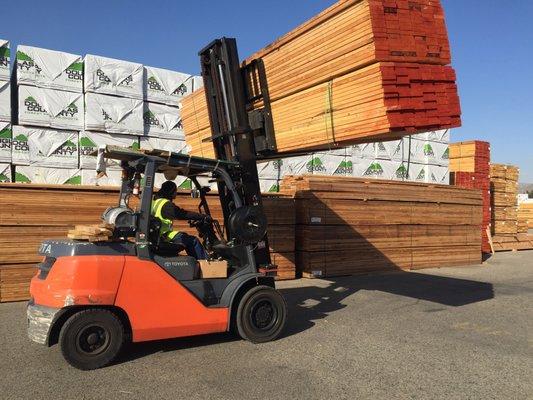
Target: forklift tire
{"x": 91, "y": 338}
{"x": 261, "y": 314}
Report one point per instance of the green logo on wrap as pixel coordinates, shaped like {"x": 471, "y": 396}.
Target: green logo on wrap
{"x": 401, "y": 172}
{"x": 150, "y": 119}
{"x": 274, "y": 188}
{"x": 4, "y": 176}
{"x": 20, "y": 143}
{"x": 181, "y": 90}
{"x": 344, "y": 168}
{"x": 33, "y": 106}
{"x": 135, "y": 146}
{"x": 21, "y": 178}
{"x": 153, "y": 84}
{"x": 186, "y": 184}
{"x": 446, "y": 154}
{"x": 374, "y": 169}
{"x": 422, "y": 175}
{"x": 87, "y": 146}
{"x": 315, "y": 165}
{"x": 67, "y": 150}
{"x": 25, "y": 63}
{"x": 428, "y": 150}
{"x": 75, "y": 180}
{"x": 277, "y": 164}
{"x": 5, "y": 139}
{"x": 4, "y": 57}
{"x": 433, "y": 178}
{"x": 70, "y": 111}
{"x": 75, "y": 71}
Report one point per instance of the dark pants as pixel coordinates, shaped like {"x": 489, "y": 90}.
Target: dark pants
{"x": 193, "y": 247}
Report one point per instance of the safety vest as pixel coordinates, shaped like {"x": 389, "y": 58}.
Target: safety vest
{"x": 166, "y": 224}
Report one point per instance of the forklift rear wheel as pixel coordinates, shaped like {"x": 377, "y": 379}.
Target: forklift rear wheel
{"x": 261, "y": 314}
{"x": 91, "y": 338}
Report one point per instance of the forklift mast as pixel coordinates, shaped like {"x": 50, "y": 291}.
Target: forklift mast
{"x": 232, "y": 136}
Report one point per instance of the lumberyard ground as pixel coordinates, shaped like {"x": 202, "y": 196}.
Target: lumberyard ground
{"x": 451, "y": 333}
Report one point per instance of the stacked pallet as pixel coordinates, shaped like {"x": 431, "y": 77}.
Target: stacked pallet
{"x": 469, "y": 168}
{"x": 348, "y": 225}
{"x": 525, "y": 215}
{"x": 508, "y": 234}
{"x": 361, "y": 70}
{"x": 32, "y": 213}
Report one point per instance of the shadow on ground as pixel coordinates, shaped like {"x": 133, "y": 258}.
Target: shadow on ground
{"x": 311, "y": 303}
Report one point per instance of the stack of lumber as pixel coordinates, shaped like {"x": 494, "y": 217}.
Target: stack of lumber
{"x": 525, "y": 215}
{"x": 362, "y": 70}
{"x": 32, "y": 213}
{"x": 347, "y": 226}
{"x": 93, "y": 233}
{"x": 504, "y": 191}
{"x": 507, "y": 233}
{"x": 469, "y": 168}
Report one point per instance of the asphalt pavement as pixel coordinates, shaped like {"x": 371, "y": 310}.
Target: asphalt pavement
{"x": 454, "y": 333}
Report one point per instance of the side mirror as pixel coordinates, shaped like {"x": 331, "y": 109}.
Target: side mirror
{"x": 195, "y": 193}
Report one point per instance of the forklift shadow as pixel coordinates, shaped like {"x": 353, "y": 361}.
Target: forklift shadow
{"x": 317, "y": 300}
{"x": 143, "y": 349}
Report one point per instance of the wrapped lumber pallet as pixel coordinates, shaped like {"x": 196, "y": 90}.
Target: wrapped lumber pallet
{"x": 508, "y": 233}
{"x": 32, "y": 213}
{"x": 469, "y": 168}
{"x": 361, "y": 70}
{"x": 349, "y": 225}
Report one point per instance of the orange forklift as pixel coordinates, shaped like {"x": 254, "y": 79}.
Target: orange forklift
{"x": 94, "y": 298}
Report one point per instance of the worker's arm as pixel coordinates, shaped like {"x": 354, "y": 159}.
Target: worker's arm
{"x": 172, "y": 211}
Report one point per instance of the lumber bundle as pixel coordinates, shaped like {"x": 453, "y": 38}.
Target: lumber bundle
{"x": 32, "y": 213}
{"x": 469, "y": 168}
{"x": 504, "y": 191}
{"x": 361, "y": 70}
{"x": 93, "y": 233}
{"x": 508, "y": 233}
{"x": 525, "y": 215}
{"x": 349, "y": 225}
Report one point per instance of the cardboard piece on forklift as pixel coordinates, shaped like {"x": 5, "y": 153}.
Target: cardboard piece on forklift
{"x": 213, "y": 269}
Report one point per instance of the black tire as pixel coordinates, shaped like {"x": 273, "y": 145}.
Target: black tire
{"x": 261, "y": 314}
{"x": 91, "y": 338}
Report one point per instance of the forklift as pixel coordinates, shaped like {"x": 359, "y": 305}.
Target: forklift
{"x": 94, "y": 298}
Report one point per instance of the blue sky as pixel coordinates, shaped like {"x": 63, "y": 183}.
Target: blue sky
{"x": 492, "y": 48}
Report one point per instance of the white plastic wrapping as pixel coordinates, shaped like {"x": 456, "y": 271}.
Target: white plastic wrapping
{"x": 51, "y": 176}
{"x": 269, "y": 185}
{"x": 6, "y": 137}
{"x": 113, "y": 114}
{"x": 49, "y": 69}
{"x": 112, "y": 177}
{"x": 165, "y": 86}
{"x": 5, "y": 173}
{"x": 110, "y": 76}
{"x": 44, "y": 147}
{"x": 152, "y": 143}
{"x": 90, "y": 141}
{"x": 197, "y": 82}
{"x": 5, "y": 101}
{"x": 50, "y": 108}
{"x": 162, "y": 121}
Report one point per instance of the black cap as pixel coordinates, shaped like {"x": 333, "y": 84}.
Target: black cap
{"x": 168, "y": 190}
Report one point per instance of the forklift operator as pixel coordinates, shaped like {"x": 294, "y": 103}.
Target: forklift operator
{"x": 165, "y": 210}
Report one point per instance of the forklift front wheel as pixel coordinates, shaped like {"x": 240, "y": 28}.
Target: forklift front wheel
{"x": 261, "y": 315}
{"x": 91, "y": 338}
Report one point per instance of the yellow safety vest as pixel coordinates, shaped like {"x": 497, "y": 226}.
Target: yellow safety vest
{"x": 165, "y": 231}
